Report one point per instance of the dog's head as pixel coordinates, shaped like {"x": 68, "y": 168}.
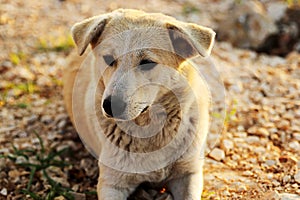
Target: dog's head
{"x": 135, "y": 51}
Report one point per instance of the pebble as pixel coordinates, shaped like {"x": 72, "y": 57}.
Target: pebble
{"x": 247, "y": 173}
{"x": 252, "y": 139}
{"x": 217, "y": 154}
{"x": 269, "y": 176}
{"x": 60, "y": 198}
{"x": 3, "y": 192}
{"x": 7, "y": 64}
{"x": 227, "y": 145}
{"x": 30, "y": 120}
{"x": 78, "y": 196}
{"x": 286, "y": 196}
{"x": 226, "y": 193}
{"x": 286, "y": 179}
{"x": 297, "y": 177}
{"x": 44, "y": 81}
{"x": 283, "y": 124}
{"x": 259, "y": 150}
{"x": 297, "y": 136}
{"x": 25, "y": 73}
{"x": 62, "y": 124}
{"x": 271, "y": 195}
{"x": 294, "y": 145}
{"x": 275, "y": 183}
{"x": 235, "y": 157}
{"x": 242, "y": 188}
{"x": 60, "y": 117}
{"x": 20, "y": 159}
{"x": 3, "y": 174}
{"x": 270, "y": 162}
{"x": 240, "y": 128}
{"x": 47, "y": 119}
{"x": 7, "y": 129}
{"x": 263, "y": 132}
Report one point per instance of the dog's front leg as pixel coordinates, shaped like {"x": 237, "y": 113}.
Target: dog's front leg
{"x": 106, "y": 192}
{"x": 188, "y": 187}
{"x": 113, "y": 185}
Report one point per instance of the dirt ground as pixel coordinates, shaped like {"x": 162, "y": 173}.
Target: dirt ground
{"x": 257, "y": 155}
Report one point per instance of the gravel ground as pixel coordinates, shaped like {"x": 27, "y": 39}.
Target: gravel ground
{"x": 258, "y": 153}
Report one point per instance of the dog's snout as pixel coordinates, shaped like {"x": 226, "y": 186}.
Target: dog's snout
{"x": 114, "y": 106}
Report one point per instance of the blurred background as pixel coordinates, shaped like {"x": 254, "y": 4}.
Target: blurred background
{"x": 256, "y": 53}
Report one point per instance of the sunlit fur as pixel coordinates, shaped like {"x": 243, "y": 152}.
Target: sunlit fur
{"x": 186, "y": 109}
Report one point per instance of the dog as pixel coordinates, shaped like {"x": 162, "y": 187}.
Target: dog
{"x": 139, "y": 103}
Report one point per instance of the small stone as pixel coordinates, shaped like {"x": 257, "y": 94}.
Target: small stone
{"x": 60, "y": 198}
{"x": 30, "y": 120}
{"x": 263, "y": 132}
{"x": 61, "y": 181}
{"x": 270, "y": 162}
{"x": 297, "y": 177}
{"x": 44, "y": 81}
{"x": 240, "y": 128}
{"x": 271, "y": 195}
{"x": 226, "y": 145}
{"x": 286, "y": 196}
{"x": 252, "y": 139}
{"x": 60, "y": 117}
{"x": 270, "y": 176}
{"x": 7, "y": 64}
{"x": 242, "y": 188}
{"x": 259, "y": 150}
{"x": 78, "y": 196}
{"x": 235, "y": 157}
{"x": 296, "y": 136}
{"x": 20, "y": 160}
{"x": 217, "y": 154}
{"x": 294, "y": 145}
{"x": 286, "y": 179}
{"x": 247, "y": 173}
{"x": 75, "y": 187}
{"x": 47, "y": 119}
{"x": 25, "y": 73}
{"x": 3, "y": 174}
{"x": 62, "y": 124}
{"x": 3, "y": 192}
{"x": 283, "y": 124}
{"x": 226, "y": 193}
{"x": 275, "y": 183}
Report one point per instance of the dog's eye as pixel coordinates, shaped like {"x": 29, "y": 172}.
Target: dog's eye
{"x": 109, "y": 60}
{"x": 146, "y": 64}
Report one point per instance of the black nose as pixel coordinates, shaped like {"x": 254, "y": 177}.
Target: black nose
{"x": 114, "y": 106}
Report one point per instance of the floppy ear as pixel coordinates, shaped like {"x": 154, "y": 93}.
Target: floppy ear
{"x": 189, "y": 39}
{"x": 88, "y": 31}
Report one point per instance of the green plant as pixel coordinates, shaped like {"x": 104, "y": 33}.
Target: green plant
{"x": 189, "y": 8}
{"x": 16, "y": 58}
{"x": 44, "y": 160}
{"x": 59, "y": 44}
{"x": 206, "y": 195}
{"x": 292, "y": 2}
{"x": 229, "y": 114}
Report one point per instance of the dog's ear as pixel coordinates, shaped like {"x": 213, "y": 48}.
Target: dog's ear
{"x": 88, "y": 31}
{"x": 189, "y": 39}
